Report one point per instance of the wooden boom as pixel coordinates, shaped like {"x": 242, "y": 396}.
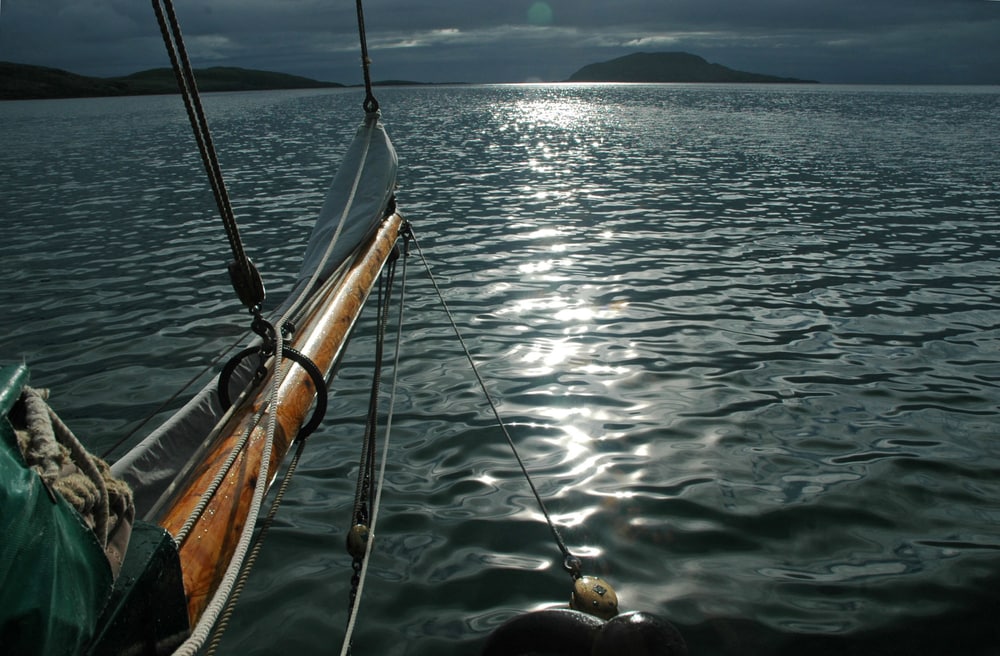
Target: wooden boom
{"x": 210, "y": 545}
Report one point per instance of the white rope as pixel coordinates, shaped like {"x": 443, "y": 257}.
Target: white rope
{"x": 346, "y": 646}
{"x": 220, "y": 476}
{"x": 209, "y": 617}
{"x": 87, "y": 464}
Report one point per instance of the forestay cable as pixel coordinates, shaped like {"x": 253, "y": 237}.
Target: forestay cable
{"x": 571, "y": 563}
{"x": 370, "y": 104}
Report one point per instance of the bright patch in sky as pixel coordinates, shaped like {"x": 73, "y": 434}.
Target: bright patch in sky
{"x": 540, "y": 13}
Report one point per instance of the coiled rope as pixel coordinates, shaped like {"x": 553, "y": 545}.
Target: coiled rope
{"x": 84, "y": 480}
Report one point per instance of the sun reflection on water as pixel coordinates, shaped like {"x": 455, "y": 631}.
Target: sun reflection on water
{"x": 546, "y": 355}
{"x": 568, "y": 361}
{"x": 536, "y": 267}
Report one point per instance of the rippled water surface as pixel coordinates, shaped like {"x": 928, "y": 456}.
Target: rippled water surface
{"x": 747, "y": 339}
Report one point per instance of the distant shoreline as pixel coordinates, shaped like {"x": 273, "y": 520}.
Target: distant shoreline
{"x": 28, "y": 82}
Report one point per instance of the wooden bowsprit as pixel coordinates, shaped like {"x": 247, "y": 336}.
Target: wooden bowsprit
{"x": 209, "y": 546}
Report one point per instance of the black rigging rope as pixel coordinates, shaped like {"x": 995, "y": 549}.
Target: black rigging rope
{"x": 370, "y": 104}
{"x": 245, "y": 277}
{"x": 367, "y": 485}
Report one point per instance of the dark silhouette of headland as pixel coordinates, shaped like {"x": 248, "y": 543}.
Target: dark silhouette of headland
{"x": 23, "y": 81}
{"x": 669, "y": 67}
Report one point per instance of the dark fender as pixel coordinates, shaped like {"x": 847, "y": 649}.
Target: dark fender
{"x": 559, "y": 632}
{"x": 553, "y": 631}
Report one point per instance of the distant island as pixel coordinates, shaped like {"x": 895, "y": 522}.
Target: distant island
{"x": 668, "y": 67}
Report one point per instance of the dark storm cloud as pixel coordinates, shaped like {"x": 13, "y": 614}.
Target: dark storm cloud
{"x": 513, "y": 40}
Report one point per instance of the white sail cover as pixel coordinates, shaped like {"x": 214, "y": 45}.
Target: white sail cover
{"x": 356, "y": 202}
{"x": 355, "y": 205}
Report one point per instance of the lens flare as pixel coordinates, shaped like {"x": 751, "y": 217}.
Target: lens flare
{"x": 540, "y": 13}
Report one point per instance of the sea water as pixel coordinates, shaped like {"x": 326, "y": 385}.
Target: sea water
{"x": 746, "y": 339}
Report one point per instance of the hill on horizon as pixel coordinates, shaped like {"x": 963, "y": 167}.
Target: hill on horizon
{"x": 669, "y": 67}
{"x": 24, "y": 81}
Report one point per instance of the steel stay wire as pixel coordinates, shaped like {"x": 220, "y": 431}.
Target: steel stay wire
{"x": 571, "y": 563}
{"x": 370, "y": 104}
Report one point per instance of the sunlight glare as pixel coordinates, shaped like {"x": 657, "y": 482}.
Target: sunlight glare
{"x": 536, "y": 267}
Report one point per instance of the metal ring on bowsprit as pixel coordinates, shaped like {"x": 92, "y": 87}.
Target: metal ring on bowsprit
{"x": 314, "y": 373}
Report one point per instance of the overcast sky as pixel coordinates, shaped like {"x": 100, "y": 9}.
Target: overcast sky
{"x": 835, "y": 41}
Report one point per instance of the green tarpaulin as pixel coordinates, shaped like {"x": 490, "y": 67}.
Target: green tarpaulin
{"x": 54, "y": 577}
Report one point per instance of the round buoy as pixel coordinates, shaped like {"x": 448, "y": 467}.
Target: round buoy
{"x": 594, "y": 596}
{"x": 357, "y": 540}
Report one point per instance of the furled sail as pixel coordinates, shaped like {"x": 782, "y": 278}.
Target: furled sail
{"x": 358, "y": 200}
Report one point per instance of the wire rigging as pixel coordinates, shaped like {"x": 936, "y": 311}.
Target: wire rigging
{"x": 370, "y": 104}
{"x": 571, "y": 563}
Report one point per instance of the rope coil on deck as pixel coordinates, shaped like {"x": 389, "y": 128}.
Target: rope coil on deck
{"x": 84, "y": 480}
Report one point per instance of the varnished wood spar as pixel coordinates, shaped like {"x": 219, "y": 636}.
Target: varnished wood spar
{"x": 209, "y": 547}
